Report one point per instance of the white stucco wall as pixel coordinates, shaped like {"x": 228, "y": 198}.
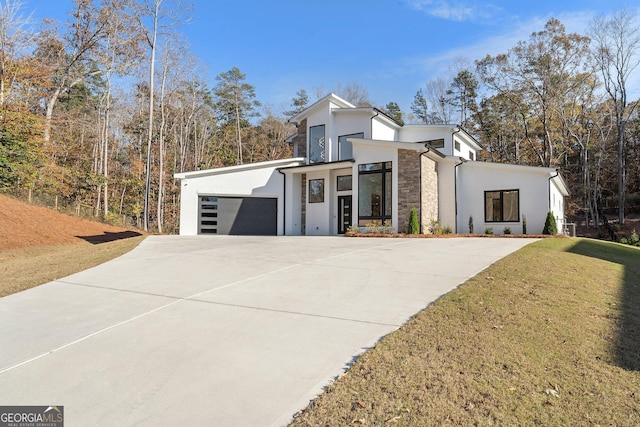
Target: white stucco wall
{"x": 382, "y": 131}
{"x": 257, "y": 180}
{"x": 474, "y": 178}
{"x": 318, "y": 214}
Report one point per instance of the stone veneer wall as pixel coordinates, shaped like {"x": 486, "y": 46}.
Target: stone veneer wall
{"x": 429, "y": 211}
{"x": 408, "y": 186}
{"x": 301, "y": 139}
{"x": 303, "y": 206}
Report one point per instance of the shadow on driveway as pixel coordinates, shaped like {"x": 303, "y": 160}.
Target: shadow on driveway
{"x": 627, "y": 346}
{"x": 109, "y": 237}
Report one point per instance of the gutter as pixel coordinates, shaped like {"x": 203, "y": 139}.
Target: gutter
{"x": 371, "y": 121}
{"x": 455, "y": 189}
{"x": 284, "y": 201}
{"x": 549, "y": 187}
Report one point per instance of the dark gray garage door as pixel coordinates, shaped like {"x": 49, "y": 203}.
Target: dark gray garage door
{"x": 238, "y": 215}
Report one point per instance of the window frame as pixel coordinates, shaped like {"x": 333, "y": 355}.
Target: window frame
{"x": 323, "y": 156}
{"x": 359, "y": 135}
{"x": 338, "y": 182}
{"x": 381, "y": 168}
{"x": 316, "y": 197}
{"x": 502, "y": 220}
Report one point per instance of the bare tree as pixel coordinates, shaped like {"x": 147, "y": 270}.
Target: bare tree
{"x": 15, "y": 38}
{"x": 616, "y": 44}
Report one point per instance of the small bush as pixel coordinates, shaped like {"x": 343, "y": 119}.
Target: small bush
{"x": 507, "y": 230}
{"x": 446, "y": 229}
{"x": 616, "y": 227}
{"x": 550, "y": 226}
{"x": 634, "y": 239}
{"x": 435, "y": 227}
{"x": 524, "y": 224}
{"x": 470, "y": 225}
{"x": 414, "y": 224}
{"x": 488, "y": 230}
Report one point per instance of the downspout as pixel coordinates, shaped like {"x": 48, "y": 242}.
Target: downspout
{"x": 420, "y": 160}
{"x": 455, "y": 189}
{"x": 284, "y": 202}
{"x": 549, "y": 187}
{"x": 455, "y": 174}
{"x": 373, "y": 117}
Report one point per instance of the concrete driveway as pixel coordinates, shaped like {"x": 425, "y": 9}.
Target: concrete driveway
{"x": 226, "y": 331}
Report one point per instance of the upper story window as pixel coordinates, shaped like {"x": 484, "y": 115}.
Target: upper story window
{"x": 471, "y": 155}
{"x": 456, "y": 144}
{"x": 345, "y": 148}
{"x": 317, "y": 145}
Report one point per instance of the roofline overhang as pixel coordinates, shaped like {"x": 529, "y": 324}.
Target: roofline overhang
{"x": 331, "y": 97}
{"x": 414, "y": 146}
{"x": 239, "y": 168}
{"x": 317, "y": 167}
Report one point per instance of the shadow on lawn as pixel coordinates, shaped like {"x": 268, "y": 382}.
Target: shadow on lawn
{"x": 109, "y": 237}
{"x": 627, "y": 346}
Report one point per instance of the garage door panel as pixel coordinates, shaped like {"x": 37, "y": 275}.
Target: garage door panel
{"x": 238, "y": 215}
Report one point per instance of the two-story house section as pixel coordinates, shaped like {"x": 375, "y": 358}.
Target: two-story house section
{"x": 354, "y": 166}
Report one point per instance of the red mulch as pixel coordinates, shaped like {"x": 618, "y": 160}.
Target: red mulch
{"x": 22, "y": 225}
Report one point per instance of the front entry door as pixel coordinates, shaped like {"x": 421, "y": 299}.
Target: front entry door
{"x": 344, "y": 214}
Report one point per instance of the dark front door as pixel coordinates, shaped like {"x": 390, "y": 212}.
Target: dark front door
{"x": 344, "y": 214}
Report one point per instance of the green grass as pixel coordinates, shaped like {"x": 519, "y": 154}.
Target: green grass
{"x": 549, "y": 335}
{"x": 25, "y": 268}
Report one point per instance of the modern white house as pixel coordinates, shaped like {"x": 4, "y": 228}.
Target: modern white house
{"x": 354, "y": 166}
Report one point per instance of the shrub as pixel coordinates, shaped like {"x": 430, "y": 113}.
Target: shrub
{"x": 414, "y": 224}
{"x": 435, "y": 227}
{"x": 446, "y": 229}
{"x": 470, "y": 224}
{"x": 488, "y": 230}
{"x": 634, "y": 239}
{"x": 507, "y": 230}
{"x": 524, "y": 224}
{"x": 550, "y": 226}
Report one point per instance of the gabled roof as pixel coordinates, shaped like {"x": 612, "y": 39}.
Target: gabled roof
{"x": 332, "y": 97}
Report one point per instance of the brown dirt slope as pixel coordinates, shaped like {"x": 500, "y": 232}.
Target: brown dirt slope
{"x": 23, "y": 225}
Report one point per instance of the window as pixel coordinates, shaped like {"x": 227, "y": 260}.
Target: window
{"x": 502, "y": 206}
{"x": 316, "y": 144}
{"x": 471, "y": 155}
{"x": 208, "y": 215}
{"x": 344, "y": 183}
{"x": 435, "y": 143}
{"x": 374, "y": 192}
{"x": 456, "y": 144}
{"x": 345, "y": 149}
{"x": 316, "y": 190}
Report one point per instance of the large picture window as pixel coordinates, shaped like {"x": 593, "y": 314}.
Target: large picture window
{"x": 317, "y": 144}
{"x": 374, "y": 193}
{"x": 502, "y": 206}
{"x": 345, "y": 148}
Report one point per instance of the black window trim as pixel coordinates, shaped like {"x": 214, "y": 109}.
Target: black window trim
{"x": 349, "y": 135}
{"x": 325, "y": 143}
{"x": 501, "y": 206}
{"x": 338, "y": 180}
{"x": 309, "y": 190}
{"x": 383, "y": 171}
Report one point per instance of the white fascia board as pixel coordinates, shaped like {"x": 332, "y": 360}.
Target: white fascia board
{"x": 332, "y": 97}
{"x": 317, "y": 167}
{"x": 239, "y": 168}
{"x": 552, "y": 173}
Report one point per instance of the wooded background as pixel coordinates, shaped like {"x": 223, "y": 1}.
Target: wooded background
{"x": 99, "y": 112}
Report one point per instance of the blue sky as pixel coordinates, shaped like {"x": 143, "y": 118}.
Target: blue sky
{"x": 391, "y": 47}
